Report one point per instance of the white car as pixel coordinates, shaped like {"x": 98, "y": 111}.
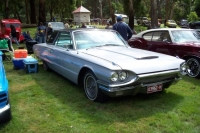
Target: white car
{"x": 104, "y": 64}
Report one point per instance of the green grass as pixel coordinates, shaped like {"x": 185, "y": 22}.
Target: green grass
{"x": 45, "y": 102}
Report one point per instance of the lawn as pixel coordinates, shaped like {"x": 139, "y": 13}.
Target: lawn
{"x": 45, "y": 102}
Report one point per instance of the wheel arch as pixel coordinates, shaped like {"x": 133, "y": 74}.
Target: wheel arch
{"x": 190, "y": 56}
{"x": 82, "y": 74}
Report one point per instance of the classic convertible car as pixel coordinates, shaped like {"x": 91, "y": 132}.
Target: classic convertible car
{"x": 182, "y": 43}
{"x": 105, "y": 65}
{"x": 5, "y": 110}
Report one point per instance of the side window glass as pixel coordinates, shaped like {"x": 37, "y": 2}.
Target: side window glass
{"x": 148, "y": 36}
{"x": 161, "y": 36}
{"x": 156, "y": 36}
{"x": 64, "y": 40}
{"x": 52, "y": 37}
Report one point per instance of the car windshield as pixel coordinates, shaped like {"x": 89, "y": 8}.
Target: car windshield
{"x": 90, "y": 39}
{"x": 17, "y": 25}
{"x": 186, "y": 36}
{"x": 57, "y": 25}
{"x": 171, "y": 21}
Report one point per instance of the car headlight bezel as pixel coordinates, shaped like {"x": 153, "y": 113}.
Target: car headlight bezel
{"x": 122, "y": 75}
{"x": 118, "y": 76}
{"x": 114, "y": 76}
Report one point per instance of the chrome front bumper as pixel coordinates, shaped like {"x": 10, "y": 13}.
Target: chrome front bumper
{"x": 4, "y": 109}
{"x": 132, "y": 87}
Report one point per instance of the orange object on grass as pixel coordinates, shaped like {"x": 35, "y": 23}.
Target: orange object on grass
{"x": 20, "y": 53}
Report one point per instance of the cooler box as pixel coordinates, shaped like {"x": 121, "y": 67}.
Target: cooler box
{"x": 20, "y": 53}
{"x": 30, "y": 65}
{"x": 18, "y": 62}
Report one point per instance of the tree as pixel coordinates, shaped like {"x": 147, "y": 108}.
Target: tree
{"x": 192, "y": 17}
{"x": 154, "y": 13}
{"x": 6, "y": 15}
{"x": 27, "y": 11}
{"x": 42, "y": 16}
{"x": 130, "y": 15}
{"x": 32, "y": 12}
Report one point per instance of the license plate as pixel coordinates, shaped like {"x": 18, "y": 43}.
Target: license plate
{"x": 154, "y": 88}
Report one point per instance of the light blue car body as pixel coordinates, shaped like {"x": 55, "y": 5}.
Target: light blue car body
{"x": 4, "y": 96}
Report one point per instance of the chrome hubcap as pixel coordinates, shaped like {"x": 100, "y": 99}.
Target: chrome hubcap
{"x": 193, "y": 67}
{"x": 91, "y": 87}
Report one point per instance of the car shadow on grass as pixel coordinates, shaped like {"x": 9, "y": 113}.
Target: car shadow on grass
{"x": 131, "y": 107}
{"x": 47, "y": 96}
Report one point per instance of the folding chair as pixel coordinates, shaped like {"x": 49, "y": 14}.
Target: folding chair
{"x": 7, "y": 52}
{"x": 29, "y": 42}
{"x": 29, "y": 46}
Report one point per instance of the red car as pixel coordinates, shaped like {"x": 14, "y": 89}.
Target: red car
{"x": 182, "y": 43}
{"x": 5, "y": 28}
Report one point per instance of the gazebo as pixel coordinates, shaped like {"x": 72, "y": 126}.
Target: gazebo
{"x": 81, "y": 14}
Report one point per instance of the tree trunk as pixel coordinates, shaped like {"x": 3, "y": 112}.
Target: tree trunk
{"x": 32, "y": 12}
{"x": 51, "y": 12}
{"x": 6, "y": 15}
{"x": 131, "y": 18}
{"x": 111, "y": 11}
{"x": 154, "y": 14}
{"x": 159, "y": 9}
{"x": 27, "y": 12}
{"x": 18, "y": 16}
{"x": 172, "y": 11}
{"x": 42, "y": 17}
{"x": 167, "y": 9}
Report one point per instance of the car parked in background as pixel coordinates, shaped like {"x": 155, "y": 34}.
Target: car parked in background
{"x": 5, "y": 109}
{"x": 57, "y": 25}
{"x": 182, "y": 43}
{"x": 102, "y": 63}
{"x": 143, "y": 21}
{"x": 184, "y": 23}
{"x": 171, "y": 23}
{"x": 90, "y": 26}
{"x": 5, "y": 30}
{"x": 195, "y": 25}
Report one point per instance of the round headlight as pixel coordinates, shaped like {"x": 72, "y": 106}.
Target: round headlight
{"x": 122, "y": 75}
{"x": 114, "y": 76}
{"x": 183, "y": 68}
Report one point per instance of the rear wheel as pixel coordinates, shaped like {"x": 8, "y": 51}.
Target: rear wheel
{"x": 45, "y": 66}
{"x": 193, "y": 67}
{"x": 91, "y": 88}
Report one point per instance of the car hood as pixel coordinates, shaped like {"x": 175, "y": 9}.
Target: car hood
{"x": 139, "y": 61}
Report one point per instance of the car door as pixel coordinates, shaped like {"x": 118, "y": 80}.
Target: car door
{"x": 67, "y": 62}
{"x": 141, "y": 42}
{"x": 48, "y": 53}
{"x": 161, "y": 42}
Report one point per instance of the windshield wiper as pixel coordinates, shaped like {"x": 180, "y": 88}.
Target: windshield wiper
{"x": 112, "y": 45}
{"x": 105, "y": 45}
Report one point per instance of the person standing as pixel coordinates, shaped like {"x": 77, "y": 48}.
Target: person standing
{"x": 123, "y": 29}
{"x": 49, "y": 30}
{"x": 14, "y": 35}
{"x": 83, "y": 25}
{"x": 67, "y": 25}
{"x": 108, "y": 26}
{"x": 41, "y": 33}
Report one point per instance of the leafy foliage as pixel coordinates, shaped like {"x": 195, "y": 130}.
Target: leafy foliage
{"x": 192, "y": 16}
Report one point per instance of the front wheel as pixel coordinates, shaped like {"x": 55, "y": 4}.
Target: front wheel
{"x": 91, "y": 88}
{"x": 193, "y": 67}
